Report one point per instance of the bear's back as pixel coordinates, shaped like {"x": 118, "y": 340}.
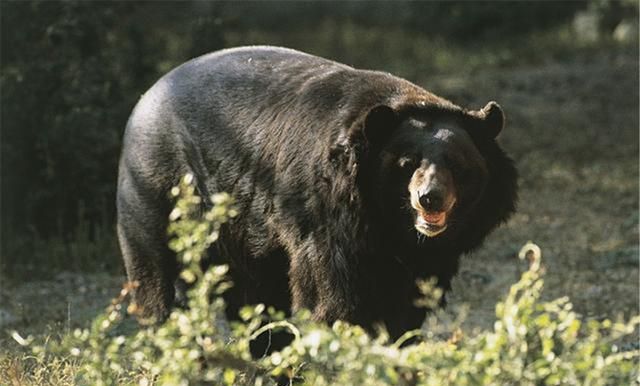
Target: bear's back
{"x": 246, "y": 78}
{"x": 251, "y": 82}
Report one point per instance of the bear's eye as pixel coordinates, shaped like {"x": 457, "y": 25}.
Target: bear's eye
{"x": 406, "y": 162}
{"x": 460, "y": 171}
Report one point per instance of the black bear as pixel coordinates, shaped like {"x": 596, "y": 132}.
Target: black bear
{"x": 350, "y": 184}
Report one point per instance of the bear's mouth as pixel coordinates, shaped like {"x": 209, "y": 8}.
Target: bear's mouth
{"x": 431, "y": 224}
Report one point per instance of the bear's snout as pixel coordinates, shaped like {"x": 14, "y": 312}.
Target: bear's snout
{"x": 433, "y": 197}
{"x": 432, "y": 200}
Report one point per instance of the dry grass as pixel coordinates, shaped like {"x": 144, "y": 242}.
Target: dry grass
{"x": 25, "y": 370}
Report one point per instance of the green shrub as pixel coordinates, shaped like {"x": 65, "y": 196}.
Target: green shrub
{"x": 532, "y": 342}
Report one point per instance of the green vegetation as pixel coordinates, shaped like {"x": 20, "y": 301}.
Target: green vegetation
{"x": 532, "y": 342}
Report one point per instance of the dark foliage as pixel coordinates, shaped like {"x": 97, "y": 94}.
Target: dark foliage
{"x": 71, "y": 73}
{"x": 460, "y": 21}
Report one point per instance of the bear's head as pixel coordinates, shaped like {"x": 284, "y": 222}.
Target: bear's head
{"x": 437, "y": 171}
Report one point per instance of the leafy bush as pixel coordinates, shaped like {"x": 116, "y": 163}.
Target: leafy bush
{"x": 532, "y": 342}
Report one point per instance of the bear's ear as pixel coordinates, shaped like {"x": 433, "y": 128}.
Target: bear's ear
{"x": 378, "y": 125}
{"x": 490, "y": 119}
{"x": 366, "y": 136}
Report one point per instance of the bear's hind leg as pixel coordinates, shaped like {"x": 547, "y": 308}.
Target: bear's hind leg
{"x": 142, "y": 233}
{"x": 151, "y": 267}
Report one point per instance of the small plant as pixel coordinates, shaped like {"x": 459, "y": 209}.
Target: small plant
{"x": 532, "y": 342}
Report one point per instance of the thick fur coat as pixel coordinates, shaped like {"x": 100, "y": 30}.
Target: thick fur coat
{"x": 350, "y": 184}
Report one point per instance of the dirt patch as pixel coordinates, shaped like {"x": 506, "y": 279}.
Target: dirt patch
{"x": 573, "y": 132}
{"x": 57, "y": 306}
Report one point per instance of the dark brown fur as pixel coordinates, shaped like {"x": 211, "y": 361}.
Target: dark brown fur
{"x": 306, "y": 147}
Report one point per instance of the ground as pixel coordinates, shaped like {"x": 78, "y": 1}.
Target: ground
{"x": 572, "y": 128}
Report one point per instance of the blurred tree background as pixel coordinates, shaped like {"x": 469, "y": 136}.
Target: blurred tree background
{"x": 72, "y": 71}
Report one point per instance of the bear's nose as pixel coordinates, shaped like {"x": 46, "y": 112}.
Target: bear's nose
{"x": 432, "y": 200}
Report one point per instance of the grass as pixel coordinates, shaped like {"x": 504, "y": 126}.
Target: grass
{"x": 27, "y": 370}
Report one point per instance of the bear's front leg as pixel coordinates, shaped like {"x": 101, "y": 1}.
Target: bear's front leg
{"x": 324, "y": 284}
